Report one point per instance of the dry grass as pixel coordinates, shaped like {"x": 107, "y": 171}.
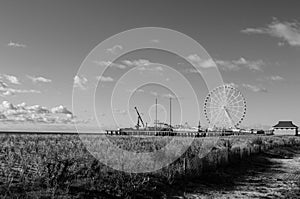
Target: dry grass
{"x": 53, "y": 166}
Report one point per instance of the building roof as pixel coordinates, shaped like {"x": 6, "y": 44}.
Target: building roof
{"x": 285, "y": 124}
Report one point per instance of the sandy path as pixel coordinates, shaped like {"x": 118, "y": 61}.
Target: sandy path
{"x": 275, "y": 174}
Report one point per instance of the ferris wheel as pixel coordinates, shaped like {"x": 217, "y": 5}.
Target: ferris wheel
{"x": 225, "y": 107}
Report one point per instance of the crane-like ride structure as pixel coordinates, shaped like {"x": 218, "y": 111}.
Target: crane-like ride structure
{"x": 137, "y": 126}
{"x": 160, "y": 129}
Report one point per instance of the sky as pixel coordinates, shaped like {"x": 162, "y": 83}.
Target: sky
{"x": 254, "y": 44}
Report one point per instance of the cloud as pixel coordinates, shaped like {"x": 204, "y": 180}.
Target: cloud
{"x": 33, "y": 109}
{"x": 136, "y": 91}
{"x": 155, "y": 41}
{"x": 164, "y": 95}
{"x": 276, "y": 78}
{"x": 254, "y": 30}
{"x": 169, "y": 96}
{"x": 143, "y": 65}
{"x": 250, "y": 87}
{"x": 2, "y": 117}
{"x": 61, "y": 109}
{"x": 80, "y": 82}
{"x": 39, "y": 79}
{"x": 140, "y": 90}
{"x": 287, "y": 31}
{"x": 153, "y": 69}
{"x": 16, "y": 45}
{"x": 115, "y": 49}
{"x": 140, "y": 62}
{"x": 235, "y": 65}
{"x": 199, "y": 62}
{"x": 227, "y": 65}
{"x": 154, "y": 93}
{"x": 5, "y": 91}
{"x": 7, "y": 105}
{"x": 3, "y": 84}
{"x": 110, "y": 64}
{"x": 34, "y": 113}
{"x": 192, "y": 70}
{"x": 12, "y": 79}
{"x": 121, "y": 112}
{"x": 254, "y": 88}
{"x": 105, "y": 79}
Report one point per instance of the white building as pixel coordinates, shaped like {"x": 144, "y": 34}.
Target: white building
{"x": 285, "y": 128}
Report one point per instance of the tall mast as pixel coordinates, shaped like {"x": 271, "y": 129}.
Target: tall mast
{"x": 170, "y": 112}
{"x": 155, "y": 114}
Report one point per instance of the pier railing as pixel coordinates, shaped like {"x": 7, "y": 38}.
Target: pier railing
{"x": 175, "y": 133}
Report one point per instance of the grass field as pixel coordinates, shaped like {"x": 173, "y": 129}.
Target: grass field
{"x": 60, "y": 166}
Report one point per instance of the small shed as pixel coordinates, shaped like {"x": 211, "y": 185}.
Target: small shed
{"x": 285, "y": 128}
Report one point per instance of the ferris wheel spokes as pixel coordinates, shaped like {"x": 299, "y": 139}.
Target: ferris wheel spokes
{"x": 225, "y": 107}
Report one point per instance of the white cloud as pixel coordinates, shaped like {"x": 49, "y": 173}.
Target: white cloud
{"x": 12, "y": 79}
{"x": 2, "y": 117}
{"x": 3, "y": 84}
{"x": 115, "y": 49}
{"x": 140, "y": 62}
{"x": 140, "y": 90}
{"x": 105, "y": 79}
{"x": 280, "y": 43}
{"x": 276, "y": 78}
{"x": 250, "y": 87}
{"x": 61, "y": 109}
{"x": 120, "y": 112}
{"x": 153, "y": 69}
{"x": 136, "y": 91}
{"x": 235, "y": 65}
{"x": 143, "y": 65}
{"x": 255, "y": 88}
{"x": 192, "y": 70}
{"x": 110, "y": 64}
{"x": 227, "y": 65}
{"x": 39, "y": 79}
{"x": 80, "y": 82}
{"x": 164, "y": 95}
{"x": 7, "y": 105}
{"x": 287, "y": 31}
{"x": 169, "y": 96}
{"x": 199, "y": 62}
{"x": 5, "y": 91}
{"x": 242, "y": 60}
{"x": 34, "y": 113}
{"x": 155, "y": 41}
{"x": 33, "y": 109}
{"x": 254, "y": 30}
{"x": 154, "y": 93}
{"x": 16, "y": 45}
